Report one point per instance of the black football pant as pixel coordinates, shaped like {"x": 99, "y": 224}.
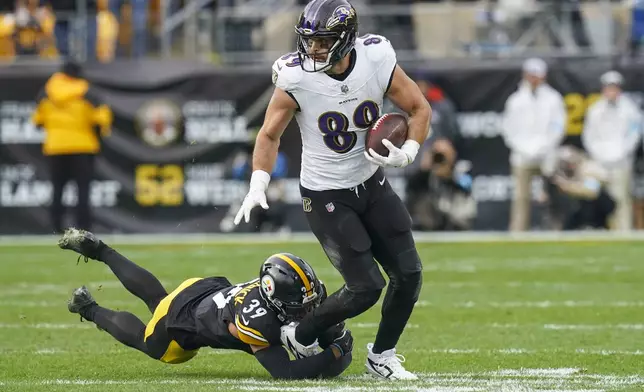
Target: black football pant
{"x": 354, "y": 227}
{"x": 65, "y": 168}
{"x": 124, "y": 326}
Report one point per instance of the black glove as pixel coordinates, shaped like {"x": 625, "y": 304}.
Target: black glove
{"x": 344, "y": 343}
{"x": 330, "y": 335}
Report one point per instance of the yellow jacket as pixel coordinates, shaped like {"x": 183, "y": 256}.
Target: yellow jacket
{"x": 69, "y": 113}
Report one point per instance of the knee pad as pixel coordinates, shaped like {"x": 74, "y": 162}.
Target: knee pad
{"x": 411, "y": 284}
{"x": 407, "y": 285}
{"x": 359, "y": 301}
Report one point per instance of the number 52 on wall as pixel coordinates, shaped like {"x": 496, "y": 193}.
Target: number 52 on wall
{"x": 159, "y": 185}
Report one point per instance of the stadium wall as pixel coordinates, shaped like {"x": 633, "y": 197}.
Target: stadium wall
{"x": 178, "y": 126}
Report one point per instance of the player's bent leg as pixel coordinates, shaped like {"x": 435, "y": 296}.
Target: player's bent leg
{"x": 348, "y": 247}
{"x": 400, "y": 299}
{"x": 389, "y": 226}
{"x": 135, "y": 279}
{"x": 123, "y": 326}
{"x": 402, "y": 294}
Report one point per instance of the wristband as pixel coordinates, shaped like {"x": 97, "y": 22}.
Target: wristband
{"x": 410, "y": 147}
{"x": 259, "y": 180}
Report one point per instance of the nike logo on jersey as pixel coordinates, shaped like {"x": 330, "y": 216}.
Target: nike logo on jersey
{"x": 279, "y": 67}
{"x": 244, "y": 319}
{"x": 382, "y": 182}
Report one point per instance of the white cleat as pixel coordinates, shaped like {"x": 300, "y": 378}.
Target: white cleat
{"x": 287, "y": 336}
{"x": 387, "y": 365}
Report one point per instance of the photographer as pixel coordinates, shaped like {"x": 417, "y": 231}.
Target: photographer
{"x": 584, "y": 181}
{"x": 612, "y": 133}
{"x": 439, "y": 193}
{"x": 273, "y": 219}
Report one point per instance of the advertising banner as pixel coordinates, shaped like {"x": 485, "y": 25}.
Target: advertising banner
{"x": 179, "y": 130}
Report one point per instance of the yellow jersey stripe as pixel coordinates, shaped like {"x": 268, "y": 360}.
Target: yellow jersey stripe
{"x": 251, "y": 340}
{"x": 255, "y": 334}
{"x": 164, "y": 306}
{"x": 297, "y": 269}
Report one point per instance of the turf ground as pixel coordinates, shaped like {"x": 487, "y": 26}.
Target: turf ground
{"x": 491, "y": 317}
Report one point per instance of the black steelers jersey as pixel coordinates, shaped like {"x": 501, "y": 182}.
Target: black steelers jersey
{"x": 242, "y": 305}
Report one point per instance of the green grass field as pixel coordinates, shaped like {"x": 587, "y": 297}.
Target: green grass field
{"x": 491, "y": 317}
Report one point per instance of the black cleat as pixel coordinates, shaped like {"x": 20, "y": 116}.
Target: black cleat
{"x": 81, "y": 298}
{"x": 82, "y": 242}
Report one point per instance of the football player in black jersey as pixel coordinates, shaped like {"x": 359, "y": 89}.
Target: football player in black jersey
{"x": 212, "y": 312}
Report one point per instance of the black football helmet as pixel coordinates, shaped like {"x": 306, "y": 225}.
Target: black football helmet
{"x": 289, "y": 286}
{"x": 331, "y": 19}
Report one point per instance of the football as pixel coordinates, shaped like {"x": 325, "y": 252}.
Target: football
{"x": 391, "y": 126}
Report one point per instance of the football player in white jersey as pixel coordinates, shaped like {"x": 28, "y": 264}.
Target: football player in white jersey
{"x": 334, "y": 86}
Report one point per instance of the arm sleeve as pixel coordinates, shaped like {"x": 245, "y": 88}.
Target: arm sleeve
{"x": 275, "y": 359}
{"x": 250, "y": 335}
{"x": 634, "y": 132}
{"x": 587, "y": 132}
{"x": 510, "y": 135}
{"x": 103, "y": 118}
{"x": 102, "y": 114}
{"x": 286, "y": 75}
{"x": 557, "y": 125}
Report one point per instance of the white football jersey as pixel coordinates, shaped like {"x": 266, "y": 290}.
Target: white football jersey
{"x": 335, "y": 115}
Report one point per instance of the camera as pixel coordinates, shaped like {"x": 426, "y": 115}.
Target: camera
{"x": 438, "y": 158}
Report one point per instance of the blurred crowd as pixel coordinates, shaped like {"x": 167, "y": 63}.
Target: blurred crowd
{"x": 595, "y": 179}
{"x": 50, "y": 28}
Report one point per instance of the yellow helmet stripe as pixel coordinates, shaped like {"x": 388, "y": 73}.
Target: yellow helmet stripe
{"x": 297, "y": 269}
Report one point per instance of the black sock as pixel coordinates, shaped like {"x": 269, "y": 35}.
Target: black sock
{"x": 396, "y": 310}
{"x": 123, "y": 326}
{"x": 135, "y": 279}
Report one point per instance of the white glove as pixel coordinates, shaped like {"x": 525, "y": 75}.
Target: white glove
{"x": 287, "y": 336}
{"x": 398, "y": 157}
{"x": 256, "y": 195}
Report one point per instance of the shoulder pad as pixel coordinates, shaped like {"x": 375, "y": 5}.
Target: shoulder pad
{"x": 257, "y": 324}
{"x": 377, "y": 47}
{"x": 287, "y": 72}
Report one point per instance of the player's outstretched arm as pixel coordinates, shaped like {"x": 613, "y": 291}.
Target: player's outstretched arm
{"x": 275, "y": 359}
{"x": 405, "y": 93}
{"x": 279, "y": 113}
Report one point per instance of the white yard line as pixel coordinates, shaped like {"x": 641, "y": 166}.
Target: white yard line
{"x": 506, "y": 380}
{"x": 47, "y": 326}
{"x": 534, "y": 304}
{"x": 375, "y": 325}
{"x": 572, "y": 327}
{"x": 442, "y": 351}
{"x": 637, "y": 327}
